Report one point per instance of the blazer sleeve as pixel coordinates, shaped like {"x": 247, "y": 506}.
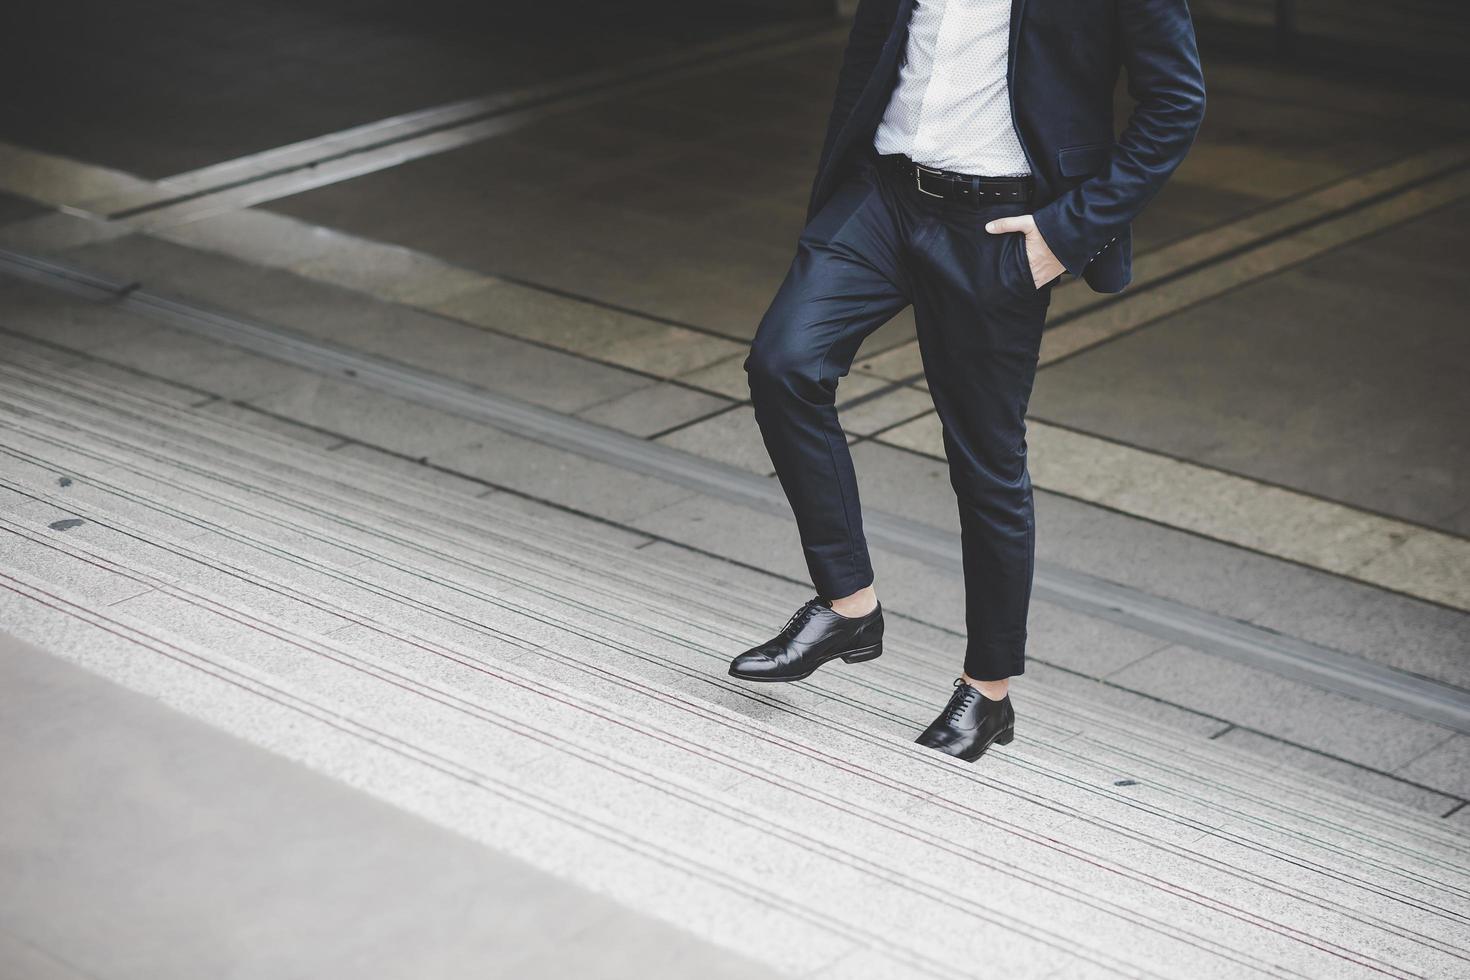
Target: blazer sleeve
{"x": 1165, "y": 81}
{"x": 871, "y": 24}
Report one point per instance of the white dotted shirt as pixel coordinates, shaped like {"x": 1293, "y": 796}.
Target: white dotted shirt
{"x": 951, "y": 108}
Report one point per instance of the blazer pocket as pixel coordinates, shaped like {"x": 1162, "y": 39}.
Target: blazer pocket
{"x": 1082, "y": 160}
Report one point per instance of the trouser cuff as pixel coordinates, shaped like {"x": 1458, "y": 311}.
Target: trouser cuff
{"x": 996, "y": 659}
{"x": 835, "y": 586}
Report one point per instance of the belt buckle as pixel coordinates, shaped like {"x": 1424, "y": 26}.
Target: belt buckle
{"x": 919, "y": 179}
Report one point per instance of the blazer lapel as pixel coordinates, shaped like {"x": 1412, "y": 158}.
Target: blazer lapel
{"x": 898, "y": 33}
{"x": 897, "y": 36}
{"x": 1018, "y": 11}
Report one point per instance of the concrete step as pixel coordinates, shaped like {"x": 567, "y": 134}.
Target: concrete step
{"x": 745, "y": 629}
{"x": 447, "y": 718}
{"x": 428, "y": 599}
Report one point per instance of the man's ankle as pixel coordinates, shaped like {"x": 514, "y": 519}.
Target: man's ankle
{"x": 992, "y": 690}
{"x": 859, "y": 604}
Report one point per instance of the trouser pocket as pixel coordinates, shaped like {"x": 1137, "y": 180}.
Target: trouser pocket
{"x": 1015, "y": 268}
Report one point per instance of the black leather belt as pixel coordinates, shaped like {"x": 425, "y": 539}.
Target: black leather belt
{"x": 966, "y": 188}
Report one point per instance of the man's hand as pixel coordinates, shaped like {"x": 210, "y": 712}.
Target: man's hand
{"x": 1044, "y": 266}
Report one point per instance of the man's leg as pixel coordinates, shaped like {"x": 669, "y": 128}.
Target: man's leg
{"x": 843, "y": 284}
{"x": 979, "y": 322}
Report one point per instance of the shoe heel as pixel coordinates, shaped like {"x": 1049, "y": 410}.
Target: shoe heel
{"x": 1004, "y": 738}
{"x": 867, "y": 653}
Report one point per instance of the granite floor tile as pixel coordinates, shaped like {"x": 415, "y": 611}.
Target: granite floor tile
{"x": 1313, "y": 605}
{"x": 1423, "y": 563}
{"x": 855, "y": 385}
{"x": 354, "y": 412}
{"x": 12, "y": 502}
{"x": 386, "y": 462}
{"x": 606, "y": 532}
{"x": 256, "y": 418}
{"x": 733, "y": 532}
{"x": 644, "y": 344}
{"x": 55, "y": 566}
{"x": 1297, "y": 712}
{"x": 56, "y": 365}
{"x": 1134, "y": 701}
{"x": 457, "y": 350}
{"x": 918, "y": 589}
{"x": 898, "y": 405}
{"x": 1273, "y": 520}
{"x": 105, "y": 374}
{"x": 731, "y": 437}
{"x": 216, "y": 368}
{"x": 53, "y": 232}
{"x": 1353, "y": 778}
{"x": 895, "y": 364}
{"x": 560, "y": 477}
{"x": 1446, "y": 766}
{"x": 504, "y": 365}
{"x": 726, "y": 377}
{"x": 256, "y": 236}
{"x": 653, "y": 409}
{"x": 33, "y": 310}
{"x": 1090, "y": 646}
{"x": 924, "y": 434}
{"x": 721, "y": 574}
{"x": 901, "y": 482}
{"x": 85, "y": 499}
{"x": 388, "y": 272}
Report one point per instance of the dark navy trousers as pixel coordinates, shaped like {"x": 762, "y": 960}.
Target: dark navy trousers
{"x": 876, "y": 246}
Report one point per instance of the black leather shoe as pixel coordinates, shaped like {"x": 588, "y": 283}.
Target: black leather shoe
{"x": 813, "y": 636}
{"x": 970, "y": 724}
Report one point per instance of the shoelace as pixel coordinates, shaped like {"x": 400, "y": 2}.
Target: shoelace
{"x": 798, "y": 619}
{"x": 959, "y": 701}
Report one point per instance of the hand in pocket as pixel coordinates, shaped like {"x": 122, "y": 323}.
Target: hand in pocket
{"x": 1044, "y": 265}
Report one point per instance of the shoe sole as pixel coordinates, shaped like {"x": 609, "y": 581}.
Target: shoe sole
{"x": 1002, "y": 737}
{"x": 852, "y": 657}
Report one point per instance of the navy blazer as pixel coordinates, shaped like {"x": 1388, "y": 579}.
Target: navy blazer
{"x": 1063, "y": 63}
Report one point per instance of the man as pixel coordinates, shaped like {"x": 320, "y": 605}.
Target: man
{"x": 970, "y": 159}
